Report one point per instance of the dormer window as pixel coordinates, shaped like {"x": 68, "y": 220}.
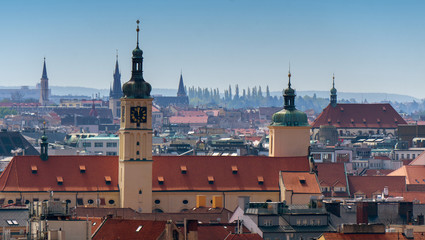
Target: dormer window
{"x": 378, "y": 120}
{"x": 342, "y": 109}
{"x": 384, "y": 109}
{"x": 82, "y": 169}
{"x": 210, "y": 179}
{"x": 302, "y": 179}
{"x": 108, "y": 180}
{"x": 34, "y": 169}
{"x": 234, "y": 169}
{"x": 364, "y": 120}
{"x": 183, "y": 169}
{"x": 59, "y": 180}
{"x": 260, "y": 180}
{"x": 352, "y": 120}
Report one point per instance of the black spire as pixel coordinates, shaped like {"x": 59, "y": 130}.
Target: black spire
{"x": 44, "y": 75}
{"x": 289, "y": 95}
{"x": 181, "y": 92}
{"x": 137, "y": 87}
{"x": 333, "y": 92}
{"x": 116, "y": 92}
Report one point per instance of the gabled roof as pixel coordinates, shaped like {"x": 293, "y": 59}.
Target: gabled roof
{"x": 371, "y": 184}
{"x": 14, "y": 140}
{"x": 21, "y": 176}
{"x": 199, "y": 168}
{"x": 375, "y": 236}
{"x": 356, "y": 115}
{"x": 419, "y": 160}
{"x": 331, "y": 173}
{"x": 127, "y": 229}
{"x": 415, "y": 174}
{"x": 301, "y": 182}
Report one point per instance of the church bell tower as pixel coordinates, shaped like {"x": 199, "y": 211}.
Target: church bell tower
{"x": 135, "y": 150}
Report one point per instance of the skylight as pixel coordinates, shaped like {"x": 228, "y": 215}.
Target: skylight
{"x": 139, "y": 228}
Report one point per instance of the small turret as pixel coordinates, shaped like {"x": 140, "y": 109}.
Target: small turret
{"x": 137, "y": 87}
{"x": 44, "y": 145}
{"x": 289, "y": 115}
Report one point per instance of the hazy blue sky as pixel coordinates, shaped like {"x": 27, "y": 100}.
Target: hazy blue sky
{"x": 371, "y": 46}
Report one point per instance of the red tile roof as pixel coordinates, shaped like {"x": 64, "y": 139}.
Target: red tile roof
{"x": 101, "y": 169}
{"x": 222, "y": 231}
{"x": 369, "y": 236}
{"x": 355, "y": 115}
{"x": 332, "y": 175}
{"x": 126, "y": 229}
{"x": 373, "y": 184}
{"x": 415, "y": 174}
{"x": 188, "y": 119}
{"x": 19, "y": 176}
{"x": 220, "y": 167}
{"x": 301, "y": 182}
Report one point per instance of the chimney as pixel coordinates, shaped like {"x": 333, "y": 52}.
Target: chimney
{"x": 201, "y": 201}
{"x": 362, "y": 216}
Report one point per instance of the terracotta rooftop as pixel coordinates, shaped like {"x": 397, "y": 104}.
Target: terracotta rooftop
{"x": 366, "y": 236}
{"x": 373, "y": 184}
{"x": 356, "y": 115}
{"x": 188, "y": 119}
{"x": 30, "y": 173}
{"x": 301, "y": 182}
{"x": 63, "y": 173}
{"x": 129, "y": 229}
{"x": 415, "y": 174}
{"x": 199, "y": 168}
{"x": 332, "y": 175}
{"x": 213, "y": 232}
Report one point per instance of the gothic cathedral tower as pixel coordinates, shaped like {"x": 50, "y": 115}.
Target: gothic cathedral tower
{"x": 44, "y": 86}
{"x": 135, "y": 152}
{"x": 115, "y": 92}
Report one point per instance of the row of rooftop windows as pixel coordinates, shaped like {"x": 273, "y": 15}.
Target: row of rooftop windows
{"x": 100, "y": 144}
{"x": 79, "y": 201}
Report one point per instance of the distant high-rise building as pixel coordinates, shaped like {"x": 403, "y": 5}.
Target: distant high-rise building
{"x": 115, "y": 92}
{"x": 44, "y": 86}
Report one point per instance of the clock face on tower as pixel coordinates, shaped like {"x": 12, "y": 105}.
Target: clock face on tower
{"x": 138, "y": 114}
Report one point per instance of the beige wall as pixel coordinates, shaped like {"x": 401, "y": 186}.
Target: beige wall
{"x": 63, "y": 196}
{"x": 289, "y": 141}
{"x": 173, "y": 201}
{"x": 298, "y": 198}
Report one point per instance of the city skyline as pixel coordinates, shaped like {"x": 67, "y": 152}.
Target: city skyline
{"x": 371, "y": 47}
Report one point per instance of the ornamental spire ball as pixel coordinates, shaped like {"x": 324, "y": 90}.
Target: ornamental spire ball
{"x": 137, "y": 87}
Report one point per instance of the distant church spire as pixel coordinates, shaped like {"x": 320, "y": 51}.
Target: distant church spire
{"x": 116, "y": 92}
{"x": 44, "y": 75}
{"x": 44, "y": 86}
{"x": 181, "y": 92}
{"x": 333, "y": 92}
